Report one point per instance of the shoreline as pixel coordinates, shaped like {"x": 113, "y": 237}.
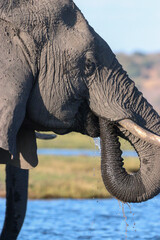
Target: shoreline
{"x": 59, "y": 198}
{"x": 68, "y": 177}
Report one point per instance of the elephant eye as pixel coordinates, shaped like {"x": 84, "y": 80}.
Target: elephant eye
{"x": 90, "y": 67}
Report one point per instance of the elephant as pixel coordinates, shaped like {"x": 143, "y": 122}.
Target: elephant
{"x": 57, "y": 74}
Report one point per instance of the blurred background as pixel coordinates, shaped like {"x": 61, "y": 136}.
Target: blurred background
{"x": 131, "y": 28}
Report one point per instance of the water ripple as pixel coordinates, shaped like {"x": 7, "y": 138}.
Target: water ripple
{"x": 89, "y": 219}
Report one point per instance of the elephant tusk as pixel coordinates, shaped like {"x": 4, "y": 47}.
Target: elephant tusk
{"x": 45, "y": 136}
{"x": 139, "y": 132}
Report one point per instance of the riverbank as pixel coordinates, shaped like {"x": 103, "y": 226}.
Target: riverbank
{"x": 75, "y": 141}
{"x": 68, "y": 176}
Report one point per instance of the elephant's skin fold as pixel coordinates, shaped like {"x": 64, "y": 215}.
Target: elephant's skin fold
{"x": 57, "y": 74}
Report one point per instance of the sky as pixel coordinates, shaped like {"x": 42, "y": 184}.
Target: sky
{"x": 127, "y": 25}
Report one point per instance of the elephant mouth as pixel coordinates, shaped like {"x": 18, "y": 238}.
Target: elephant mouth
{"x": 129, "y": 187}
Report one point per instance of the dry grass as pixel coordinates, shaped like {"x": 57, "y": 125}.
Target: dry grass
{"x": 75, "y": 141}
{"x": 68, "y": 177}
{"x": 70, "y": 141}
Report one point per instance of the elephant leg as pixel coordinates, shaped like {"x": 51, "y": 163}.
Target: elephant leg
{"x": 16, "y": 201}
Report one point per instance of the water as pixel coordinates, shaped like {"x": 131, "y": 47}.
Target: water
{"x": 78, "y": 152}
{"x": 89, "y": 219}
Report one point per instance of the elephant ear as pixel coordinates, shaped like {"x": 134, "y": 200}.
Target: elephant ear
{"x": 17, "y": 74}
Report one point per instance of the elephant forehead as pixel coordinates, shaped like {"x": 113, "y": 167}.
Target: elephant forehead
{"x": 75, "y": 41}
{"x": 55, "y": 5}
{"x": 72, "y": 30}
{"x": 48, "y": 20}
{"x": 33, "y": 16}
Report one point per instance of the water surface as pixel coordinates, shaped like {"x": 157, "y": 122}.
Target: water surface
{"x": 78, "y": 152}
{"x": 89, "y": 219}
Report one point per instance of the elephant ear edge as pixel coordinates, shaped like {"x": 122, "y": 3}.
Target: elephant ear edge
{"x": 26, "y": 156}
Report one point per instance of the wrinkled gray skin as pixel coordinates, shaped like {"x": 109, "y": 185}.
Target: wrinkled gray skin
{"x": 58, "y": 74}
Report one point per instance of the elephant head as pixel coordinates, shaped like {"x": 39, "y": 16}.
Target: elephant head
{"x": 64, "y": 77}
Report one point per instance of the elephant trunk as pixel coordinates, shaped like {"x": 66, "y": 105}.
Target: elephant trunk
{"x": 136, "y": 187}
{"x": 115, "y": 99}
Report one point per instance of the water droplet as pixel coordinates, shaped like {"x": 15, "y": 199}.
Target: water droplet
{"x": 97, "y": 142}
{"x": 125, "y": 219}
{"x": 121, "y": 206}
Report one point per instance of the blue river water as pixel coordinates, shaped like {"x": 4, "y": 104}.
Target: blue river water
{"x": 94, "y": 219}
{"x": 78, "y": 152}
